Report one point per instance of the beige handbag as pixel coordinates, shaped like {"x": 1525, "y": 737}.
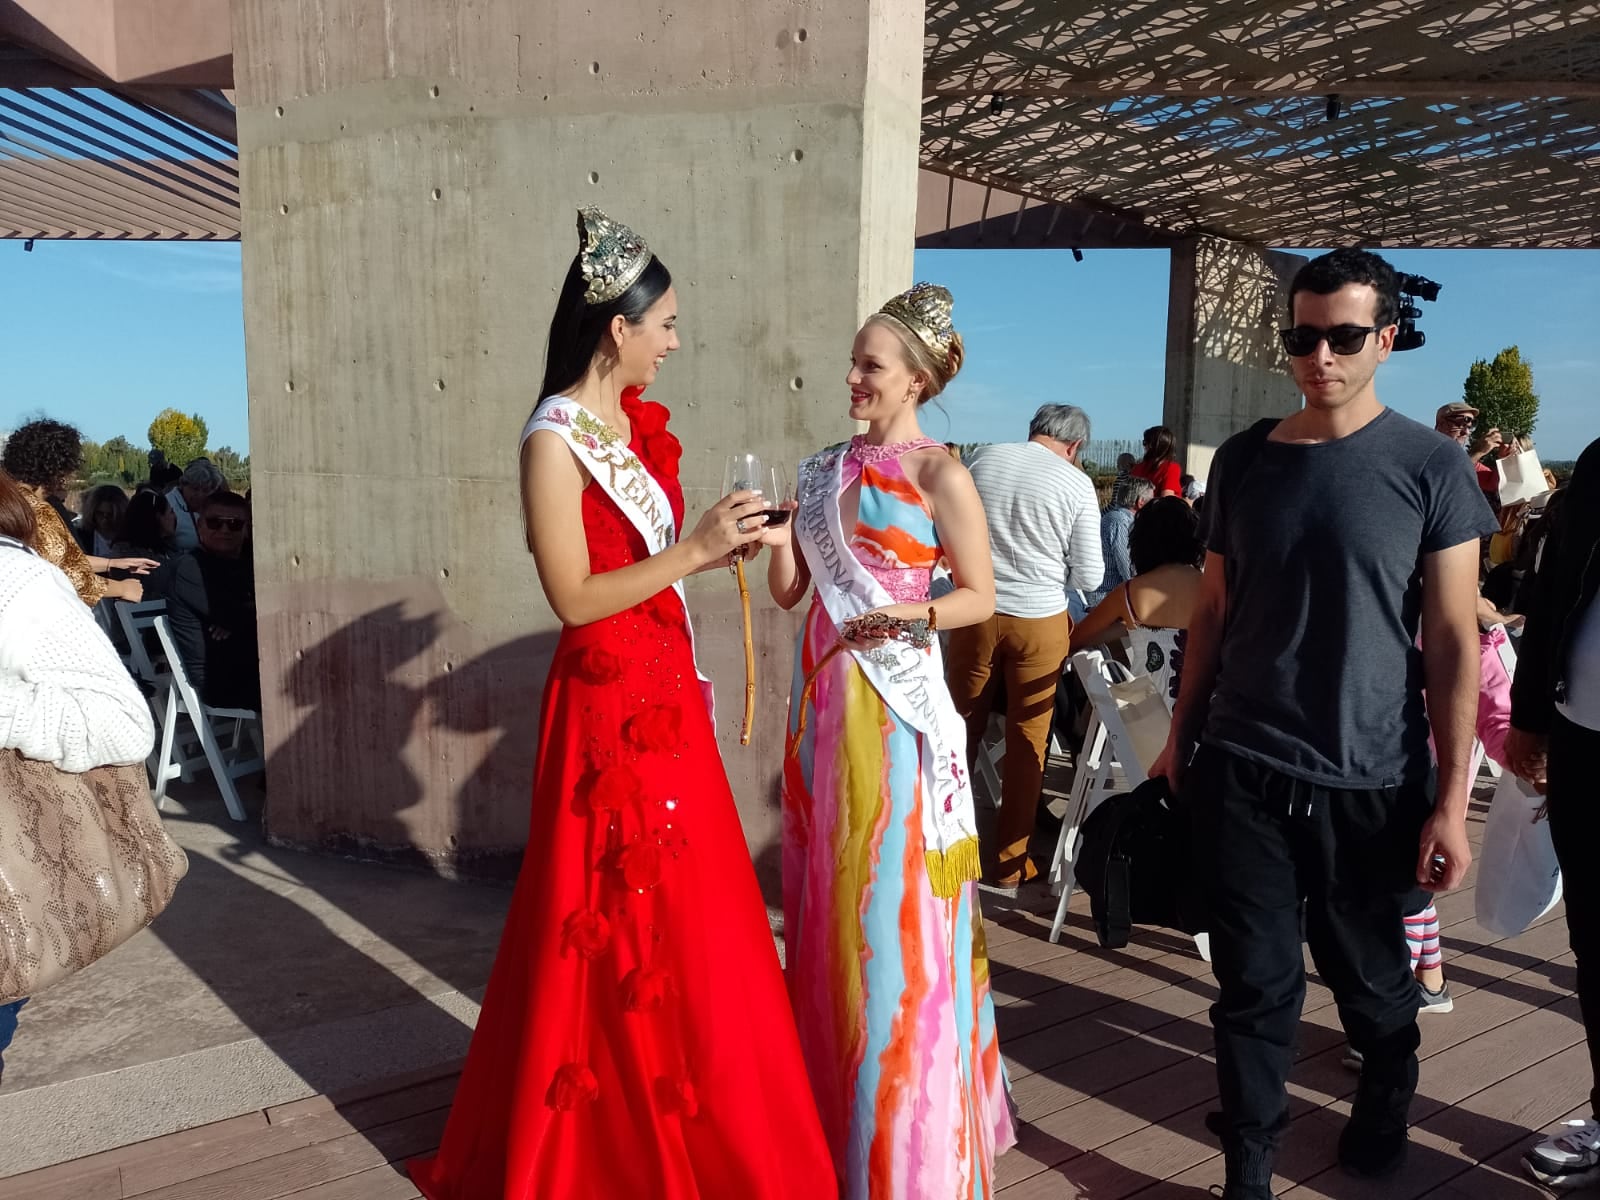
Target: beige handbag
{"x": 84, "y": 865}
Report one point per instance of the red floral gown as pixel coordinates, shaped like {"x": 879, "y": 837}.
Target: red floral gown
{"x": 636, "y": 1040}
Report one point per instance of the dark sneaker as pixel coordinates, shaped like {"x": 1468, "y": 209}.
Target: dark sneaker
{"x": 1435, "y": 1002}
{"x": 1567, "y": 1159}
{"x": 1373, "y": 1142}
{"x": 1352, "y": 1059}
{"x": 1249, "y": 1174}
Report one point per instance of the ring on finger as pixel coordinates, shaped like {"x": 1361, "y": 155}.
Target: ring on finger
{"x": 739, "y": 524}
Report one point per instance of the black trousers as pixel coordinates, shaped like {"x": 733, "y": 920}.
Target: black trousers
{"x": 1574, "y": 798}
{"x": 1271, "y": 852}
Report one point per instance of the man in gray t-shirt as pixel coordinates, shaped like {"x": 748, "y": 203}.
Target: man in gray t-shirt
{"x": 1334, "y": 537}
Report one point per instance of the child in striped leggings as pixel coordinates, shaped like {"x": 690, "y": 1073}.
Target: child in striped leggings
{"x": 1427, "y": 960}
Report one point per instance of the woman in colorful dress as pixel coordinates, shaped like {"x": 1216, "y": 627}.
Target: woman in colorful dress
{"x": 635, "y": 1040}
{"x": 887, "y": 966}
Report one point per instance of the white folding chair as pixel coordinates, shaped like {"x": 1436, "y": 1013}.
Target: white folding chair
{"x": 1108, "y": 744}
{"x": 226, "y": 741}
{"x": 135, "y": 623}
{"x": 992, "y": 749}
{"x": 135, "y": 619}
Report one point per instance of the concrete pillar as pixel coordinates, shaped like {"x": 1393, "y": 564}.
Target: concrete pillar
{"x": 1225, "y": 365}
{"x": 411, "y": 170}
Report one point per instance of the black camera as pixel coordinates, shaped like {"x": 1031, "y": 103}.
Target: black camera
{"x": 1416, "y": 285}
{"x": 1413, "y": 287}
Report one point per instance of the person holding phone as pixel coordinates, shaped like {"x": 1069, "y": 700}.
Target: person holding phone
{"x": 885, "y": 952}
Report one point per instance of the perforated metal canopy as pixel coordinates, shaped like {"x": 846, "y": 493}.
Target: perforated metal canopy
{"x": 1382, "y": 122}
{"x": 1286, "y": 122}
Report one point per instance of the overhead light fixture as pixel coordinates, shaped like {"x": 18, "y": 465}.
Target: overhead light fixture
{"x": 1077, "y": 255}
{"x": 27, "y": 246}
{"x": 1335, "y": 107}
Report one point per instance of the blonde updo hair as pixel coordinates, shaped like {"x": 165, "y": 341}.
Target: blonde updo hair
{"x": 920, "y": 359}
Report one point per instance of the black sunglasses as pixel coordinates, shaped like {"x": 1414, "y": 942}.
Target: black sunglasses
{"x": 1342, "y": 339}
{"x": 231, "y": 524}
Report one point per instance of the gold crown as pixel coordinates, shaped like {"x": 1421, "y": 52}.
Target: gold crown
{"x": 612, "y": 256}
{"x": 925, "y": 311}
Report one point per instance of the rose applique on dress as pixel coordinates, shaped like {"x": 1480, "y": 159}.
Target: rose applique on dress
{"x": 585, "y": 933}
{"x": 599, "y": 665}
{"x": 647, "y": 989}
{"x": 649, "y": 421}
{"x": 573, "y": 1085}
{"x": 640, "y": 866}
{"x": 610, "y": 789}
{"x": 675, "y": 1094}
{"x": 659, "y": 727}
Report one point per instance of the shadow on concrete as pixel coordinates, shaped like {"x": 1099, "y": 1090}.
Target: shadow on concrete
{"x": 371, "y": 937}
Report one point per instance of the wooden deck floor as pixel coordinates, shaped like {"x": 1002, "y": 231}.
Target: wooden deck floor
{"x": 1110, "y": 1062}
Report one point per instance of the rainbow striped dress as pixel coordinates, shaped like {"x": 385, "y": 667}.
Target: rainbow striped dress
{"x": 890, "y": 984}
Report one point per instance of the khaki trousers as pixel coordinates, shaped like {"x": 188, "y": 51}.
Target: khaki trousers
{"x": 1028, "y": 654}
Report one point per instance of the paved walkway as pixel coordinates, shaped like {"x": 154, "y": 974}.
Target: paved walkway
{"x": 1110, "y": 1061}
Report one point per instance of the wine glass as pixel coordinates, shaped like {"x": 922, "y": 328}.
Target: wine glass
{"x": 742, "y": 473}
{"x": 778, "y": 492}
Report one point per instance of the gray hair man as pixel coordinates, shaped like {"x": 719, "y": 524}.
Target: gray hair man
{"x": 1116, "y": 523}
{"x": 201, "y": 480}
{"x": 1044, "y": 530}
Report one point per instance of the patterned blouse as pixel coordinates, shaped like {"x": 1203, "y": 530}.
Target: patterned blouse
{"x": 54, "y": 543}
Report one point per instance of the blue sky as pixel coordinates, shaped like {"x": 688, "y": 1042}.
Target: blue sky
{"x": 1039, "y": 328}
{"x": 107, "y": 335}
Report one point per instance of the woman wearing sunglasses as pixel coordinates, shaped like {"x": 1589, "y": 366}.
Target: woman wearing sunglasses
{"x": 211, "y": 605}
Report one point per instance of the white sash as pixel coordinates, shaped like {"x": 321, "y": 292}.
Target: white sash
{"x": 910, "y": 681}
{"x": 624, "y": 478}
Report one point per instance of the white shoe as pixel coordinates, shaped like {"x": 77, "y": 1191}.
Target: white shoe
{"x": 1567, "y": 1159}
{"x": 1435, "y": 1002}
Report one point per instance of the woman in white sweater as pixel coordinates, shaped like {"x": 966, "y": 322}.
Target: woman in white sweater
{"x": 65, "y": 697}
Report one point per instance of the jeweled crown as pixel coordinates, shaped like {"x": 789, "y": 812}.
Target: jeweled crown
{"x": 925, "y": 311}
{"x": 612, "y": 256}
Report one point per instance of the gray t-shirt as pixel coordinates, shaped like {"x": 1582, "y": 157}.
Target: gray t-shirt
{"x": 1320, "y": 675}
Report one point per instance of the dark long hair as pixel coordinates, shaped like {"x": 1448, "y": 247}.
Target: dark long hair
{"x": 1165, "y": 531}
{"x": 141, "y": 524}
{"x": 1162, "y": 450}
{"x": 577, "y": 327}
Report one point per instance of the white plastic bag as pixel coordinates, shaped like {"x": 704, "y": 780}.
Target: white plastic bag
{"x": 1521, "y": 477}
{"x": 1519, "y": 879}
{"x": 1146, "y": 718}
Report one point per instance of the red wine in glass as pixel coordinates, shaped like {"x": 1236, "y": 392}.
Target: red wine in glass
{"x": 777, "y": 492}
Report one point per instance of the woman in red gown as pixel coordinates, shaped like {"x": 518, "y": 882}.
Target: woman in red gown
{"x": 636, "y": 1040}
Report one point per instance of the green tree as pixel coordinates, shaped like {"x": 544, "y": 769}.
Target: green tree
{"x": 234, "y": 467}
{"x": 1502, "y": 392}
{"x": 182, "y": 439}
{"x": 115, "y": 461}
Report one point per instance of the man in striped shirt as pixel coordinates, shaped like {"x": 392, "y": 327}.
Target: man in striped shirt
{"x": 1044, "y": 530}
